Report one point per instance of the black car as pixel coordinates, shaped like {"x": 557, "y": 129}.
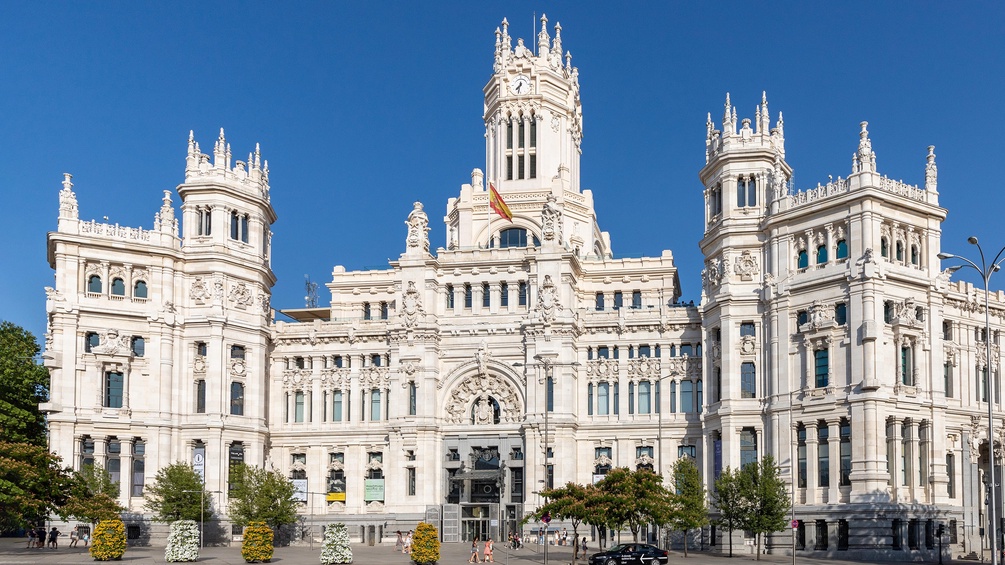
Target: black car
{"x": 631, "y": 554}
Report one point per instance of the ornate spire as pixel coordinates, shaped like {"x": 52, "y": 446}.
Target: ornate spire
{"x": 220, "y": 151}
{"x": 164, "y": 220}
{"x": 764, "y": 123}
{"x": 866, "y": 156}
{"x": 556, "y": 45}
{"x": 728, "y": 117}
{"x": 543, "y": 40}
{"x": 708, "y": 126}
{"x": 67, "y": 199}
{"x": 931, "y": 171}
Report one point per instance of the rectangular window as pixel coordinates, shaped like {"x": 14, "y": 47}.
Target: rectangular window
{"x": 519, "y": 167}
{"x": 383, "y": 310}
{"x": 486, "y": 295}
{"x": 244, "y": 228}
{"x": 748, "y": 329}
{"x": 748, "y": 380}
{"x": 821, "y": 367}
{"x": 237, "y": 352}
{"x": 842, "y": 535}
{"x": 522, "y": 293}
{"x": 636, "y": 299}
{"x": 467, "y": 296}
{"x": 374, "y": 405}
{"x": 748, "y": 447}
{"x": 533, "y": 166}
{"x": 298, "y": 406}
{"x": 598, "y": 302}
{"x": 823, "y": 457}
{"x": 841, "y": 313}
{"x": 589, "y": 399}
{"x": 139, "y": 467}
{"x": 845, "y": 479}
{"x": 113, "y": 464}
{"x": 821, "y": 535}
{"x": 237, "y": 399}
{"x": 618, "y": 300}
{"x": 503, "y": 294}
{"x": 947, "y": 330}
{"x": 551, "y": 394}
{"x": 686, "y": 396}
{"x": 631, "y": 397}
{"x": 617, "y": 398}
{"x": 645, "y": 404}
{"x": 412, "y": 398}
{"x": 550, "y": 480}
{"x": 200, "y": 396}
{"x": 896, "y": 533}
{"x": 603, "y": 352}
{"x": 337, "y": 406}
{"x": 533, "y": 133}
{"x": 801, "y": 455}
{"x": 520, "y": 137}
{"x": 951, "y": 473}
{"x": 114, "y": 386}
{"x": 603, "y": 399}
{"x": 235, "y": 460}
{"x": 906, "y": 366}
{"x": 516, "y": 487}
{"x": 509, "y": 167}
{"x": 410, "y": 472}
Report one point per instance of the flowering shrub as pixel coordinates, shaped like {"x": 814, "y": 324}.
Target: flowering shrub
{"x": 425, "y": 544}
{"x": 108, "y": 541}
{"x": 183, "y": 542}
{"x": 336, "y": 548}
{"x": 257, "y": 544}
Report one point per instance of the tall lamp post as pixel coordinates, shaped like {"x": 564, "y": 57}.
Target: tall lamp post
{"x": 202, "y": 516}
{"x": 986, "y": 270}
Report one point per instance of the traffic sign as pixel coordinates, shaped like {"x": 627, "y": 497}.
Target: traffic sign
{"x": 795, "y": 524}
{"x": 546, "y": 518}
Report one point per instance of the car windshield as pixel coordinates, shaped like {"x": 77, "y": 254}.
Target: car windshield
{"x": 619, "y": 548}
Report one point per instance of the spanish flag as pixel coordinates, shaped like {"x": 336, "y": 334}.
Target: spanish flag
{"x": 498, "y": 204}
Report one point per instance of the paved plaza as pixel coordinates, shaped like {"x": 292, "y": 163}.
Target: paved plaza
{"x": 13, "y": 552}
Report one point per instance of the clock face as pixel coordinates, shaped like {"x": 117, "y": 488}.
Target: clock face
{"x": 520, "y": 85}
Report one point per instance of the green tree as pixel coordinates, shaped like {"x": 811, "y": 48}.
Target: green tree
{"x": 767, "y": 498}
{"x": 23, "y": 385}
{"x": 93, "y": 495}
{"x": 572, "y": 502}
{"x": 689, "y": 509}
{"x": 177, "y": 493}
{"x": 633, "y": 498}
{"x": 262, "y": 496}
{"x": 33, "y": 484}
{"x": 730, "y": 503}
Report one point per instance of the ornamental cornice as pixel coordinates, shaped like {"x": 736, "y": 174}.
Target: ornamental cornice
{"x": 335, "y": 378}
{"x": 296, "y": 379}
{"x": 601, "y": 370}
{"x": 644, "y": 368}
{"x": 375, "y": 377}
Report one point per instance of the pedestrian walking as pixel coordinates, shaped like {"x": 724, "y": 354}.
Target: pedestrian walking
{"x": 40, "y": 537}
{"x": 53, "y": 536}
{"x": 31, "y": 537}
{"x": 474, "y": 551}
{"x": 408, "y": 543}
{"x": 399, "y": 545}
{"x": 74, "y": 537}
{"x": 582, "y": 545}
{"x": 487, "y": 554}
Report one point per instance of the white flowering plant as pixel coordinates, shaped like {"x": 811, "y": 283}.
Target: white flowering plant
{"x": 336, "y": 547}
{"x": 182, "y": 542}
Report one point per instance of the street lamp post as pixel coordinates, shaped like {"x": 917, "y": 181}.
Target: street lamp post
{"x": 986, "y": 270}
{"x": 202, "y": 516}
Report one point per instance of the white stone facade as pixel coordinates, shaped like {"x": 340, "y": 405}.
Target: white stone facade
{"x": 458, "y": 382}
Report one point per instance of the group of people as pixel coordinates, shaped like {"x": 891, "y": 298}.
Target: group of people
{"x": 404, "y": 543}
{"x": 486, "y": 554}
{"x": 515, "y": 541}
{"x": 37, "y": 537}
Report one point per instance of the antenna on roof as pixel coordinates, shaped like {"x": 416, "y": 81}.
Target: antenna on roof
{"x": 311, "y": 300}
{"x": 534, "y": 27}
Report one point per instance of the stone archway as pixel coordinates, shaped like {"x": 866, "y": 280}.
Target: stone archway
{"x": 479, "y": 386}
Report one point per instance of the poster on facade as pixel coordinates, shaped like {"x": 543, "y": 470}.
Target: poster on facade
{"x": 336, "y": 489}
{"x": 598, "y": 478}
{"x": 299, "y": 489}
{"x": 373, "y": 489}
{"x": 199, "y": 462}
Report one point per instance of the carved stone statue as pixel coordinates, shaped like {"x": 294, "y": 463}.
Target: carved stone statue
{"x": 418, "y": 229}
{"x": 411, "y": 304}
{"x": 551, "y": 220}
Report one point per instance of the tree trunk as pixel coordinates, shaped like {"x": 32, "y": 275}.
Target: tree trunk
{"x": 731, "y": 542}
{"x": 758, "y": 546}
{"x": 575, "y": 543}
{"x": 685, "y": 543}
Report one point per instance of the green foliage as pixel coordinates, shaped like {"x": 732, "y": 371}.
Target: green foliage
{"x": 262, "y": 496}
{"x": 23, "y": 385}
{"x": 573, "y": 502}
{"x": 257, "y": 544}
{"x": 177, "y": 493}
{"x": 632, "y": 498}
{"x": 425, "y": 544}
{"x": 689, "y": 509}
{"x": 182, "y": 542}
{"x": 336, "y": 547}
{"x": 33, "y": 484}
{"x": 108, "y": 541}
{"x": 729, "y": 501}
{"x": 93, "y": 496}
{"x": 766, "y": 496}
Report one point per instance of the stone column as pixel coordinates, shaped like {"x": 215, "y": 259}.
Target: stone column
{"x": 893, "y": 439}
{"x": 812, "y": 475}
{"x": 834, "y": 446}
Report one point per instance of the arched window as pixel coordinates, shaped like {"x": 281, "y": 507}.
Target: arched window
{"x": 884, "y": 248}
{"x": 237, "y": 399}
{"x": 746, "y": 192}
{"x": 900, "y": 251}
{"x": 140, "y": 289}
{"x": 915, "y": 259}
{"x": 842, "y": 249}
{"x": 821, "y": 254}
{"x": 94, "y": 284}
{"x": 118, "y": 287}
{"x": 514, "y": 237}
{"x": 803, "y": 259}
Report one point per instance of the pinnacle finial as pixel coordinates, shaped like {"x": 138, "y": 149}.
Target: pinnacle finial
{"x": 931, "y": 171}
{"x": 191, "y": 135}
{"x": 222, "y": 138}
{"x": 67, "y": 182}
{"x": 542, "y": 37}
{"x": 764, "y": 97}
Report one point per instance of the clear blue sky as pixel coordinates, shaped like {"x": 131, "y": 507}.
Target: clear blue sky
{"x": 362, "y": 108}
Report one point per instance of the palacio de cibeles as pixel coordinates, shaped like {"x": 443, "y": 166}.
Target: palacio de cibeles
{"x": 456, "y": 382}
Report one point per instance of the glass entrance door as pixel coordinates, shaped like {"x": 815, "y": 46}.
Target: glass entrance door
{"x": 475, "y": 522}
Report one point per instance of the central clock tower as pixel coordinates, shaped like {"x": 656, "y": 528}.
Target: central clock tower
{"x": 533, "y": 114}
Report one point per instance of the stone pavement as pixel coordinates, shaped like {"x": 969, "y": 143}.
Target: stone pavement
{"x": 13, "y": 552}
